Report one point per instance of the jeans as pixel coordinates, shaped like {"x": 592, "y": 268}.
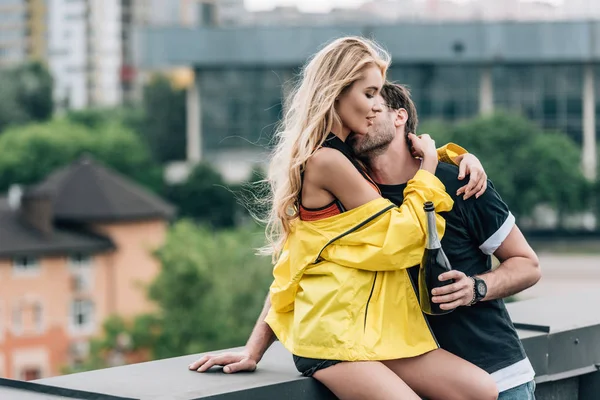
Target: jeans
{"x": 523, "y": 392}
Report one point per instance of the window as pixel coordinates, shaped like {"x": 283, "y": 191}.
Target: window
{"x": 80, "y": 260}
{"x": 82, "y": 314}
{"x": 81, "y": 268}
{"x": 27, "y": 317}
{"x": 31, "y": 373}
{"x": 26, "y": 265}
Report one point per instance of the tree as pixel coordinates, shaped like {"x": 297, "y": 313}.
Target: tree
{"x": 210, "y": 289}
{"x": 204, "y": 197}
{"x": 35, "y": 91}
{"x": 33, "y": 151}
{"x": 121, "y": 342}
{"x": 160, "y": 119}
{"x": 527, "y": 165}
{"x": 164, "y": 124}
{"x": 130, "y": 117}
{"x": 25, "y": 95}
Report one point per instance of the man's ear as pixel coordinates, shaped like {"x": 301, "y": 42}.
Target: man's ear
{"x": 401, "y": 118}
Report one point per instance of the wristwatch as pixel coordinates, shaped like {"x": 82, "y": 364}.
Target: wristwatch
{"x": 479, "y": 289}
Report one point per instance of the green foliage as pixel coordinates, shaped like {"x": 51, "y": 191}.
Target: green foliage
{"x": 35, "y": 91}
{"x": 33, "y": 151}
{"x": 204, "y": 197}
{"x": 25, "y": 95}
{"x": 115, "y": 331}
{"x": 94, "y": 118}
{"x": 164, "y": 123}
{"x": 159, "y": 121}
{"x": 527, "y": 165}
{"x": 210, "y": 289}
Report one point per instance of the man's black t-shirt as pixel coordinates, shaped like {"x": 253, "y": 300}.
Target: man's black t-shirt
{"x": 483, "y": 333}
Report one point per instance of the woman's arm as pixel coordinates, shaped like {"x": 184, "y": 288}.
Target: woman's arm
{"x": 328, "y": 170}
{"x": 468, "y": 164}
{"x": 396, "y": 239}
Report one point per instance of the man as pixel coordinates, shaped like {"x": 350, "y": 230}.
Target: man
{"x": 479, "y": 329}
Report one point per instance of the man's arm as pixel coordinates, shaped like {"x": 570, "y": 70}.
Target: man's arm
{"x": 519, "y": 267}
{"x": 260, "y": 340}
{"x": 491, "y": 224}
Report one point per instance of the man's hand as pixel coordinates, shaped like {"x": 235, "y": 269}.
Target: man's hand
{"x": 459, "y": 293}
{"x": 470, "y": 165}
{"x": 231, "y": 362}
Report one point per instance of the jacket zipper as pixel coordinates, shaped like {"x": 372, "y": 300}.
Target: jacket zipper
{"x": 369, "y": 300}
{"x": 354, "y": 228}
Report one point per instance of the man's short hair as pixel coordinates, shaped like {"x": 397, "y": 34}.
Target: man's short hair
{"x": 397, "y": 96}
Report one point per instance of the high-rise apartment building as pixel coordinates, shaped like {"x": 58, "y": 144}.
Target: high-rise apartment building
{"x": 22, "y": 31}
{"x": 84, "y": 52}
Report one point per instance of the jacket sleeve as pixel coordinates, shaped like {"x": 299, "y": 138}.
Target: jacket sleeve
{"x": 448, "y": 153}
{"x": 283, "y": 289}
{"x": 396, "y": 239}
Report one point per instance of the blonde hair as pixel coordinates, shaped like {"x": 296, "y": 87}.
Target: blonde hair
{"x": 310, "y": 116}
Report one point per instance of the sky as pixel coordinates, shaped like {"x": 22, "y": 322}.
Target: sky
{"x": 319, "y": 5}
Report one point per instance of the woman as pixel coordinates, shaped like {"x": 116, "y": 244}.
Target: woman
{"x": 342, "y": 301}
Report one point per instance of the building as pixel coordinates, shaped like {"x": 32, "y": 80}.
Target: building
{"x": 23, "y": 28}
{"x": 74, "y": 249}
{"x": 84, "y": 56}
{"x": 550, "y": 72}
{"x": 89, "y": 45}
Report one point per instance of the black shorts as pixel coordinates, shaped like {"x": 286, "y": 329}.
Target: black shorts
{"x": 308, "y": 366}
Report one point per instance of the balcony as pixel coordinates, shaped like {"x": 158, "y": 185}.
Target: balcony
{"x": 561, "y": 336}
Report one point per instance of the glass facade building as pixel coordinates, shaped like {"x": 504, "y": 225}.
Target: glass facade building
{"x": 241, "y": 107}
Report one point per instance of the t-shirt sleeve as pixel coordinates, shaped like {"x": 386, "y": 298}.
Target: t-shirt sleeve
{"x": 488, "y": 219}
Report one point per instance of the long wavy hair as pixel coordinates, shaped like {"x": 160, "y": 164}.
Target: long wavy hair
{"x": 310, "y": 116}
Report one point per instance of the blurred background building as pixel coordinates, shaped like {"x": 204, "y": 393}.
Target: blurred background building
{"x": 74, "y": 250}
{"x": 90, "y": 44}
{"x": 23, "y": 31}
{"x": 544, "y": 70}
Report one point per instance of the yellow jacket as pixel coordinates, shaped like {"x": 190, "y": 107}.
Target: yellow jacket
{"x": 341, "y": 290}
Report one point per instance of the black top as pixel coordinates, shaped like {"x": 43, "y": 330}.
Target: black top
{"x": 482, "y": 334}
{"x": 334, "y": 142}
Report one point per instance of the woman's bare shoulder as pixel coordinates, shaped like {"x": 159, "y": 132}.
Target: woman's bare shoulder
{"x": 327, "y": 161}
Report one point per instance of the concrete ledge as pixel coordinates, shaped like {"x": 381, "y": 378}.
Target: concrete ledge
{"x": 561, "y": 336}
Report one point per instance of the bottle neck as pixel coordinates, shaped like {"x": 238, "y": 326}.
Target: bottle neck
{"x": 433, "y": 242}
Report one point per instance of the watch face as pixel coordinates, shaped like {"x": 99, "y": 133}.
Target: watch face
{"x": 481, "y": 288}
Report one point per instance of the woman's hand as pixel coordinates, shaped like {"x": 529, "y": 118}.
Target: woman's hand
{"x": 424, "y": 146}
{"x": 470, "y": 165}
{"x": 232, "y": 362}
